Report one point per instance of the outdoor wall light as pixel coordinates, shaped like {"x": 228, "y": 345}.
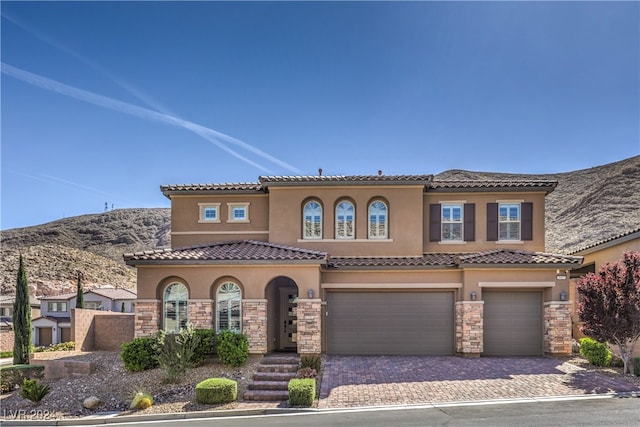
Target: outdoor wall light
{"x": 563, "y": 296}
{"x": 473, "y": 296}
{"x": 310, "y": 293}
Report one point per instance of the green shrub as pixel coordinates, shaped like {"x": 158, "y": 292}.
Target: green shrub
{"x": 216, "y": 390}
{"x": 33, "y": 390}
{"x": 313, "y": 362}
{"x": 4, "y": 354}
{"x": 205, "y": 346}
{"x": 636, "y": 366}
{"x": 302, "y": 392}
{"x": 141, "y": 400}
{"x": 12, "y": 377}
{"x": 63, "y": 346}
{"x": 139, "y": 354}
{"x": 232, "y": 348}
{"x": 306, "y": 373}
{"x": 595, "y": 352}
{"x": 175, "y": 352}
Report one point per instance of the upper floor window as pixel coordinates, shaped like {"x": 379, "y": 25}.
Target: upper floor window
{"x": 378, "y": 220}
{"x": 57, "y": 306}
{"x": 345, "y": 227}
{"x": 93, "y": 305}
{"x": 312, "y": 220}
{"x": 238, "y": 212}
{"x": 175, "y": 301}
{"x": 228, "y": 307}
{"x": 451, "y": 222}
{"x": 509, "y": 221}
{"x": 209, "y": 212}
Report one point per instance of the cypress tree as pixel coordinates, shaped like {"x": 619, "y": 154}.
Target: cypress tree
{"x": 21, "y": 319}
{"x": 80, "y": 293}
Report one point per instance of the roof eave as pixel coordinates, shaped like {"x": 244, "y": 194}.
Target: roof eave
{"x": 187, "y": 262}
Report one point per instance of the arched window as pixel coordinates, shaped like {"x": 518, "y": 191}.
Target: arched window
{"x": 175, "y": 301}
{"x": 312, "y": 220}
{"x": 345, "y": 220}
{"x": 228, "y": 307}
{"x": 378, "y": 220}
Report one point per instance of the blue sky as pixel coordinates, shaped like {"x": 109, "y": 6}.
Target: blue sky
{"x": 106, "y": 101}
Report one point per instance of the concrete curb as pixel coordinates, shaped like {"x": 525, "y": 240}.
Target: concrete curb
{"x": 113, "y": 419}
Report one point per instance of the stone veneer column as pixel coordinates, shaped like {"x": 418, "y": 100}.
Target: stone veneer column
{"x": 309, "y": 326}
{"x": 557, "y": 327}
{"x": 254, "y": 324}
{"x": 200, "y": 312}
{"x": 147, "y": 317}
{"x": 469, "y": 327}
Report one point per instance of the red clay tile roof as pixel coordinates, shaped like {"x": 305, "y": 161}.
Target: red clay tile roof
{"x": 497, "y": 184}
{"x": 346, "y": 179}
{"x": 620, "y": 238}
{"x": 241, "y": 250}
{"x": 508, "y": 256}
{"x": 426, "y": 260}
{"x": 113, "y": 293}
{"x": 241, "y": 187}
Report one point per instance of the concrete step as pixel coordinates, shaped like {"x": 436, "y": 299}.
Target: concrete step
{"x": 269, "y": 385}
{"x": 280, "y": 367}
{"x": 266, "y": 395}
{"x": 273, "y": 376}
{"x": 273, "y": 359}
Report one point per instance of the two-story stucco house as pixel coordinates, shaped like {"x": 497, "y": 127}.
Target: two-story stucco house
{"x": 53, "y": 326}
{"x": 362, "y": 265}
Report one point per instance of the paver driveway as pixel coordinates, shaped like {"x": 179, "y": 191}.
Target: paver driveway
{"x": 355, "y": 381}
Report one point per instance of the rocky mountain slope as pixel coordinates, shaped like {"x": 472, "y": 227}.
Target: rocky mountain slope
{"x": 587, "y": 206}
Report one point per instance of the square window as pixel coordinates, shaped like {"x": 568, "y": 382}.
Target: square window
{"x": 209, "y": 212}
{"x": 238, "y": 212}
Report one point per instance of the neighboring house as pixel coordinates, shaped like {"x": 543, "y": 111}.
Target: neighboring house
{"x": 54, "y": 324}
{"x": 6, "y": 319}
{"x": 362, "y": 265}
{"x": 595, "y": 256}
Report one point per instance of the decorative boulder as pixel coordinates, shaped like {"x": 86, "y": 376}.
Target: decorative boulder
{"x": 91, "y": 402}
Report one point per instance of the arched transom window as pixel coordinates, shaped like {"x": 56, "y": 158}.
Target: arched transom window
{"x": 175, "y": 301}
{"x": 312, "y": 220}
{"x": 345, "y": 220}
{"x": 228, "y": 307}
{"x": 378, "y": 220}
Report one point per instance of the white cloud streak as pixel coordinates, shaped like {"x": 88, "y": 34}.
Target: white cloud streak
{"x": 211, "y": 135}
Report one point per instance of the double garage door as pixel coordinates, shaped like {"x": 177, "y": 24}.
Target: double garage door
{"x": 390, "y": 323}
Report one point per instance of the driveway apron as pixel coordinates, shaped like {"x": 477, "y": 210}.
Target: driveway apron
{"x": 357, "y": 381}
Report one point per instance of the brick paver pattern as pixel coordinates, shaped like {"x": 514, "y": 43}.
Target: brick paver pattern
{"x": 357, "y": 381}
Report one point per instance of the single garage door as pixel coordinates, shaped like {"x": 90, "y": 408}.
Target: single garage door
{"x": 390, "y": 323}
{"x": 512, "y": 323}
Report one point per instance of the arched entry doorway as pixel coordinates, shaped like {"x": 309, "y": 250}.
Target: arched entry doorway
{"x": 282, "y": 314}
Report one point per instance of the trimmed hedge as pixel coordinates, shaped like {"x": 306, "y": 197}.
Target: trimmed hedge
{"x": 205, "y": 346}
{"x": 12, "y": 377}
{"x": 216, "y": 390}
{"x": 596, "y": 352}
{"x": 232, "y": 348}
{"x": 302, "y": 392}
{"x": 139, "y": 354}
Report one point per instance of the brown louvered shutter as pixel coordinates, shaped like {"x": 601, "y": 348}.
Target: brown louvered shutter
{"x": 435, "y": 213}
{"x": 469, "y": 222}
{"x": 526, "y": 231}
{"x": 492, "y": 222}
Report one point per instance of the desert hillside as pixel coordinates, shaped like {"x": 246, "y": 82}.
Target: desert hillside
{"x": 587, "y": 206}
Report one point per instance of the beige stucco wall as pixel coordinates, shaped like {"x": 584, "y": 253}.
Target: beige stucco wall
{"x": 481, "y": 200}
{"x": 545, "y": 279}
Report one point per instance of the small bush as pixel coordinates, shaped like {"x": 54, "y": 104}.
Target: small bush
{"x": 232, "y": 348}
{"x": 62, "y": 346}
{"x": 139, "y": 354}
{"x": 313, "y": 362}
{"x": 4, "y": 354}
{"x": 206, "y": 345}
{"x": 306, "y": 373}
{"x": 616, "y": 362}
{"x": 141, "y": 401}
{"x": 636, "y": 366}
{"x": 302, "y": 392}
{"x": 216, "y": 390}
{"x": 33, "y": 390}
{"x": 12, "y": 377}
{"x": 595, "y": 352}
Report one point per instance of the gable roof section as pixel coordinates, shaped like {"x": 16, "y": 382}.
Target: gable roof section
{"x": 466, "y": 185}
{"x": 501, "y": 257}
{"x": 114, "y": 293}
{"x": 434, "y": 260}
{"x": 240, "y": 251}
{"x": 606, "y": 243}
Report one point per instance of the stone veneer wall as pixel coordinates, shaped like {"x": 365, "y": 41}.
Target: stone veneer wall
{"x": 200, "y": 312}
{"x": 147, "y": 317}
{"x": 469, "y": 327}
{"x": 254, "y": 324}
{"x": 557, "y": 327}
{"x": 309, "y": 326}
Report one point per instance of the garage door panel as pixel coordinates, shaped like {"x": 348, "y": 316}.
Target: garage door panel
{"x": 390, "y": 323}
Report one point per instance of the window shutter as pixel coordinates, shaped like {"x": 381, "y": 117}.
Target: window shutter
{"x": 527, "y": 221}
{"x": 492, "y": 222}
{"x": 435, "y": 213}
{"x": 469, "y": 222}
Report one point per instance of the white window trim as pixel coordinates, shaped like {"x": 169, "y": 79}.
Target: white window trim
{"x": 306, "y": 238}
{"x": 233, "y": 206}
{"x": 217, "y": 308}
{"x": 461, "y": 222}
{"x": 510, "y": 203}
{"x": 353, "y": 221}
{"x": 386, "y": 224}
{"x": 203, "y": 206}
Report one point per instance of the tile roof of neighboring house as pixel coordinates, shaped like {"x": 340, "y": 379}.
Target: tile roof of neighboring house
{"x": 496, "y": 184}
{"x": 111, "y": 293}
{"x": 514, "y": 257}
{"x": 224, "y": 252}
{"x": 66, "y": 296}
{"x": 54, "y": 319}
{"x": 426, "y": 260}
{"x": 620, "y": 238}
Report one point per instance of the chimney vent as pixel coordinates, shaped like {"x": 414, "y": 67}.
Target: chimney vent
{"x": 379, "y": 172}
{"x": 320, "y": 172}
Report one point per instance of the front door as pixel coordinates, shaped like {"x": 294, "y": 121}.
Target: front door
{"x": 288, "y": 318}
